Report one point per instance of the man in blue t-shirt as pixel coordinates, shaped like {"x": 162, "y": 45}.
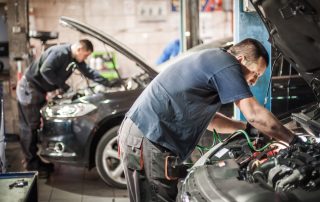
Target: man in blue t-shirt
{"x": 173, "y": 112}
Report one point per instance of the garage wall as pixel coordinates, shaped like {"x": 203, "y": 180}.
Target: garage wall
{"x": 116, "y": 17}
{"x": 122, "y": 19}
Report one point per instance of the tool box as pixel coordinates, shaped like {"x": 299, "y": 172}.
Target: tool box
{"x": 19, "y": 186}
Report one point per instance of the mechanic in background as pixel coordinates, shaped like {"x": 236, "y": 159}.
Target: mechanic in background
{"x": 176, "y": 108}
{"x": 170, "y": 51}
{"x": 47, "y": 74}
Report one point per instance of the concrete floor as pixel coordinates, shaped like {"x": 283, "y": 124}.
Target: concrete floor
{"x": 67, "y": 183}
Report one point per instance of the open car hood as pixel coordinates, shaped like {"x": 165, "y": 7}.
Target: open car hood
{"x": 109, "y": 40}
{"x": 294, "y": 28}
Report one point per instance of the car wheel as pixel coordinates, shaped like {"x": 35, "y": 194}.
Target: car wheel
{"x": 108, "y": 162}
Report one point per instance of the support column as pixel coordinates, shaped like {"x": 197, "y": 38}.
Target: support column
{"x": 189, "y": 23}
{"x": 247, "y": 24}
{"x": 17, "y": 21}
{"x": 192, "y": 23}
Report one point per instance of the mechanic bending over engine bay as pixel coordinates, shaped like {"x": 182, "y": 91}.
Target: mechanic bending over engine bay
{"x": 171, "y": 114}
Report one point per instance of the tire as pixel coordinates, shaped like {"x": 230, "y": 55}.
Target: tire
{"x": 107, "y": 160}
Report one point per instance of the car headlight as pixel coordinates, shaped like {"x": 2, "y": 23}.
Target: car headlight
{"x": 69, "y": 110}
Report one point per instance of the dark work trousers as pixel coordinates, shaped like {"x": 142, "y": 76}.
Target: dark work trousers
{"x": 143, "y": 163}
{"x": 30, "y": 101}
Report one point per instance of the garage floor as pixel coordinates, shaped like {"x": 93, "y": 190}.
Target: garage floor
{"x": 67, "y": 183}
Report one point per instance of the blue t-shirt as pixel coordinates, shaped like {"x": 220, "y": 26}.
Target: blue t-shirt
{"x": 177, "y": 106}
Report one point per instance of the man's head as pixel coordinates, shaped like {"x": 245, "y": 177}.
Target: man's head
{"x": 253, "y": 57}
{"x": 81, "y": 50}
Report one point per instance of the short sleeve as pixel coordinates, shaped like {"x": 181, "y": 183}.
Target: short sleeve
{"x": 231, "y": 85}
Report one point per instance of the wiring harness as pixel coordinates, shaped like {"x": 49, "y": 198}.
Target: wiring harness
{"x": 274, "y": 165}
{"x": 277, "y": 166}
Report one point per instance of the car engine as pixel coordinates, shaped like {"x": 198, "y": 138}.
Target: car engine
{"x": 270, "y": 169}
{"x": 286, "y": 169}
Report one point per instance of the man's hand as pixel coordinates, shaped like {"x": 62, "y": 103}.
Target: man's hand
{"x": 52, "y": 95}
{"x": 296, "y": 140}
{"x": 114, "y": 83}
{"x": 250, "y": 130}
{"x": 57, "y": 93}
{"x": 64, "y": 89}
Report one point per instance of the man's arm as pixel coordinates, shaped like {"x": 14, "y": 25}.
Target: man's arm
{"x": 224, "y": 124}
{"x": 93, "y": 74}
{"x": 263, "y": 120}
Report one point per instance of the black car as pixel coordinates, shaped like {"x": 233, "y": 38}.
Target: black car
{"x": 247, "y": 167}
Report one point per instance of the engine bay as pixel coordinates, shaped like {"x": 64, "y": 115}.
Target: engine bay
{"x": 280, "y": 169}
{"x": 269, "y": 169}
{"x": 139, "y": 81}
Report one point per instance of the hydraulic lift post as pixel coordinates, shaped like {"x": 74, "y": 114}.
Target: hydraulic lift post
{"x": 247, "y": 24}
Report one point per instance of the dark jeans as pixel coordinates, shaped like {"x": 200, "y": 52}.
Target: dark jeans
{"x": 143, "y": 163}
{"x": 30, "y": 101}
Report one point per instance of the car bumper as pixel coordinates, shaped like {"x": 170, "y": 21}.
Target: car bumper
{"x": 64, "y": 140}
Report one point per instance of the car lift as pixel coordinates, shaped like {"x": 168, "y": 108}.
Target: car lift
{"x": 247, "y": 24}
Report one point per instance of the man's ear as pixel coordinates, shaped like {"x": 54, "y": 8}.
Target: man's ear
{"x": 240, "y": 58}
